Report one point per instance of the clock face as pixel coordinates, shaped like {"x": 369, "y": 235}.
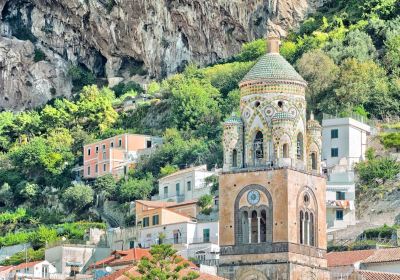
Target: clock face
{"x": 253, "y": 197}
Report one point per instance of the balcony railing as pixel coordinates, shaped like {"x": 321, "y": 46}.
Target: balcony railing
{"x": 279, "y": 163}
{"x": 179, "y": 240}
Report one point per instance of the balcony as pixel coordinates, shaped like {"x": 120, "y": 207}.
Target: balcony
{"x": 281, "y": 163}
{"x": 180, "y": 240}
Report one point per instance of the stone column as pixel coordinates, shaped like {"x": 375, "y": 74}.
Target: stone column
{"x": 258, "y": 229}
{"x": 249, "y": 230}
{"x": 308, "y": 232}
{"x": 303, "y": 230}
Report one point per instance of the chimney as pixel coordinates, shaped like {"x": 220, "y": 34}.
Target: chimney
{"x": 273, "y": 43}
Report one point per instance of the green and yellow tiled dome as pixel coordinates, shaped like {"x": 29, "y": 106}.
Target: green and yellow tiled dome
{"x": 272, "y": 67}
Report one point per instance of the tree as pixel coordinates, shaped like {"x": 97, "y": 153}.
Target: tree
{"x": 95, "y": 110}
{"x": 252, "y": 50}
{"x": 29, "y": 190}
{"x": 164, "y": 264}
{"x": 225, "y": 77}
{"x": 26, "y": 125}
{"x": 357, "y": 44}
{"x": 363, "y": 83}
{"x": 205, "y": 203}
{"x": 43, "y": 236}
{"x": 392, "y": 52}
{"x": 213, "y": 180}
{"x": 194, "y": 105}
{"x": 320, "y": 71}
{"x": 6, "y": 124}
{"x": 177, "y": 149}
{"x": 6, "y": 195}
{"x": 105, "y": 184}
{"x": 78, "y": 197}
{"x": 168, "y": 169}
{"x": 133, "y": 188}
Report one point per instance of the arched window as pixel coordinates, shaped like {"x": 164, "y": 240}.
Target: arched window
{"x": 306, "y": 229}
{"x": 254, "y": 227}
{"x": 234, "y": 158}
{"x": 299, "y": 146}
{"x": 258, "y": 146}
{"x": 245, "y": 228}
{"x": 285, "y": 150}
{"x": 301, "y": 227}
{"x": 312, "y": 237}
{"x": 263, "y": 226}
{"x": 313, "y": 161}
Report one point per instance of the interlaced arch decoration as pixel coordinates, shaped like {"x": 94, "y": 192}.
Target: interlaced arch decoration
{"x": 260, "y": 210}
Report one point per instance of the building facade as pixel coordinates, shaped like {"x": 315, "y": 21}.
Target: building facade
{"x": 271, "y": 194}
{"x": 184, "y": 185}
{"x": 176, "y": 223}
{"x": 344, "y": 143}
{"x": 117, "y": 154}
{"x": 33, "y": 270}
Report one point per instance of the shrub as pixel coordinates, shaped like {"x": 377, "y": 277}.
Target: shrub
{"x": 105, "y": 184}
{"x": 43, "y": 235}
{"x": 390, "y": 140}
{"x": 205, "y": 203}
{"x": 30, "y": 255}
{"x": 380, "y": 232}
{"x": 39, "y": 55}
{"x": 377, "y": 170}
{"x": 123, "y": 88}
{"x": 81, "y": 77}
{"x": 78, "y": 197}
{"x": 10, "y": 239}
{"x": 13, "y": 217}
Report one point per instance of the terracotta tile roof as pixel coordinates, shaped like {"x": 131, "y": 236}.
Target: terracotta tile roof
{"x": 125, "y": 257}
{"x": 163, "y": 204}
{"x": 347, "y": 257}
{"x": 28, "y": 264}
{"x": 156, "y": 204}
{"x": 187, "y": 202}
{"x": 183, "y": 171}
{"x": 384, "y": 255}
{"x": 3, "y": 268}
{"x": 376, "y": 275}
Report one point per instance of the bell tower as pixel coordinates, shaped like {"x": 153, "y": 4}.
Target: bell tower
{"x": 272, "y": 195}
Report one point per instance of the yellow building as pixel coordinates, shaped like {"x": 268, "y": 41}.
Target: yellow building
{"x": 272, "y": 196}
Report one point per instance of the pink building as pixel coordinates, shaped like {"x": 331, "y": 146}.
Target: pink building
{"x": 116, "y": 154}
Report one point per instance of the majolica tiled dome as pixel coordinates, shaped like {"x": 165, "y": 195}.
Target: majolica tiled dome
{"x": 272, "y": 66}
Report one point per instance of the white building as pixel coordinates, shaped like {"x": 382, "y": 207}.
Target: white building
{"x": 183, "y": 185}
{"x": 71, "y": 259}
{"x": 344, "y": 143}
{"x": 191, "y": 239}
{"x": 33, "y": 270}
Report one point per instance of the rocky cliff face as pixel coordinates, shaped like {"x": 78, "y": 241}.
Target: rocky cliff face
{"x": 121, "y": 39}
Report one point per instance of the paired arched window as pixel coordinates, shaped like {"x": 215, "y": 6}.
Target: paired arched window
{"x": 300, "y": 145}
{"x": 307, "y": 228}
